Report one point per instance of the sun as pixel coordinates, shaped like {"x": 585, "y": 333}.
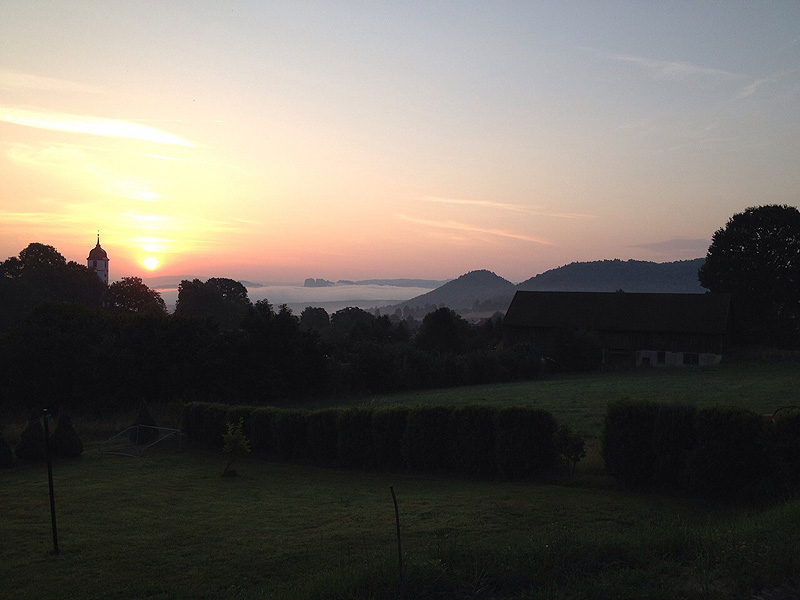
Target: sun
{"x": 151, "y": 262}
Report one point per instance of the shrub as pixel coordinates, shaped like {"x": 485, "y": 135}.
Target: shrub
{"x": 672, "y": 442}
{"x": 355, "y": 439}
{"x": 425, "y": 439}
{"x": 235, "y": 446}
{"x": 322, "y": 436}
{"x": 628, "y": 440}
{"x": 472, "y": 445}
{"x": 524, "y": 442}
{"x": 31, "y": 444}
{"x": 6, "y": 453}
{"x": 260, "y": 430}
{"x": 146, "y": 434}
{"x": 730, "y": 460}
{"x": 289, "y": 434}
{"x": 65, "y": 441}
{"x": 785, "y": 438}
{"x": 570, "y": 446}
{"x": 388, "y": 429}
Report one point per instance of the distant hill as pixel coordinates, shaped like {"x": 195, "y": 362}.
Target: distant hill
{"x": 612, "y": 275}
{"x": 470, "y": 292}
{"x": 484, "y": 292}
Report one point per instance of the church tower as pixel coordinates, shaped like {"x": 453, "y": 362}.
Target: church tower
{"x": 98, "y": 262}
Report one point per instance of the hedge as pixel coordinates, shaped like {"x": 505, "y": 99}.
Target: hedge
{"x": 721, "y": 453}
{"x": 474, "y": 441}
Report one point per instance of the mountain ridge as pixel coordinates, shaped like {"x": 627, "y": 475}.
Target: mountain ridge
{"x": 484, "y": 292}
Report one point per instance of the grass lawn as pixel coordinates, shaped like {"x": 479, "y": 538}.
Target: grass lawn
{"x": 168, "y": 526}
{"x": 580, "y": 400}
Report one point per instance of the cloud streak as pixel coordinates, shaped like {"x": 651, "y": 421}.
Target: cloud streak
{"x": 89, "y": 125}
{"x": 509, "y": 207}
{"x": 675, "y": 70}
{"x": 456, "y": 226}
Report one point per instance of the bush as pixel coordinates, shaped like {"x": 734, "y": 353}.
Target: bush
{"x": 785, "y": 439}
{"x": 388, "y": 429}
{"x": 425, "y": 439}
{"x": 260, "y": 430}
{"x": 570, "y": 446}
{"x": 355, "y": 439}
{"x": 472, "y": 445}
{"x": 235, "y": 446}
{"x": 322, "y": 436}
{"x": 65, "y": 441}
{"x": 673, "y": 441}
{"x": 31, "y": 444}
{"x": 524, "y": 442}
{"x": 628, "y": 441}
{"x": 289, "y": 434}
{"x": 730, "y": 460}
{"x": 6, "y": 453}
{"x": 146, "y": 434}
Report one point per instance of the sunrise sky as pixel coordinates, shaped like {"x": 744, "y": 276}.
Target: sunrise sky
{"x": 275, "y": 141}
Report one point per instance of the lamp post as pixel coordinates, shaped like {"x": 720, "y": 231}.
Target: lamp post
{"x": 47, "y": 417}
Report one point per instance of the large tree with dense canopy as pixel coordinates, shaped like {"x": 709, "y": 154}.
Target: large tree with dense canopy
{"x": 756, "y": 258}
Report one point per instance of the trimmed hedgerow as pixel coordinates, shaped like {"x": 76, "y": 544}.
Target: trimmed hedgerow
{"x": 260, "y": 431}
{"x": 65, "y": 441}
{"x": 672, "y": 443}
{"x": 322, "y": 435}
{"x": 785, "y": 442}
{"x": 31, "y": 445}
{"x": 289, "y": 434}
{"x": 628, "y": 440}
{"x": 472, "y": 445}
{"x": 388, "y": 427}
{"x": 425, "y": 439}
{"x": 6, "y": 453}
{"x": 524, "y": 442}
{"x": 355, "y": 438}
{"x": 731, "y": 458}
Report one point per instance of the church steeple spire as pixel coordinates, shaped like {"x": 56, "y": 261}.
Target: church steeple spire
{"x": 98, "y": 261}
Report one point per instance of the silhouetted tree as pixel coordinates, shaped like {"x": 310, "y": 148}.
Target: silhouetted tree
{"x": 130, "y": 294}
{"x": 223, "y": 301}
{"x": 756, "y": 258}
{"x": 314, "y": 318}
{"x": 41, "y": 274}
{"x": 443, "y": 330}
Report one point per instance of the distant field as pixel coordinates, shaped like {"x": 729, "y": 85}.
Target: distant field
{"x": 580, "y": 400}
{"x": 169, "y": 527}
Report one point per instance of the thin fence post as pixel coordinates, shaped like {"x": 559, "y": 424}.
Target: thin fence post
{"x": 399, "y": 547}
{"x": 47, "y": 416}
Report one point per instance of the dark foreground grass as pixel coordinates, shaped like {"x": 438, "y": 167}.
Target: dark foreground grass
{"x": 580, "y": 399}
{"x": 168, "y": 526}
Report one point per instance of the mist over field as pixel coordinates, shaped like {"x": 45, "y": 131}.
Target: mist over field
{"x": 331, "y": 298}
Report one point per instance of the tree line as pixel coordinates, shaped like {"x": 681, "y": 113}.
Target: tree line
{"x": 68, "y": 342}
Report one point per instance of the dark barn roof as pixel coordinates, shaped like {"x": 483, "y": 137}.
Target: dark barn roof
{"x": 621, "y": 311}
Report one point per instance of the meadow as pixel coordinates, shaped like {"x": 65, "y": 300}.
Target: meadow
{"x": 168, "y": 526}
{"x": 580, "y": 399}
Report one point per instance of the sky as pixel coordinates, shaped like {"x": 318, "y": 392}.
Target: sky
{"x": 274, "y": 141}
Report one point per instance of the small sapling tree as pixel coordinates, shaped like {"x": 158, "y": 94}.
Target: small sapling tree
{"x": 570, "y": 446}
{"x": 235, "y": 446}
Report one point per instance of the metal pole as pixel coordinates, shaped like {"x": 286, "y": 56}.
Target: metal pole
{"x": 47, "y": 416}
{"x": 399, "y": 547}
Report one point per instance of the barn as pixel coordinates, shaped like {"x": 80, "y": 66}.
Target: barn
{"x": 630, "y": 328}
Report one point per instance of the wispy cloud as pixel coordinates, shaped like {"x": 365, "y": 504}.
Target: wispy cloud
{"x": 538, "y": 211}
{"x": 29, "y": 81}
{"x": 671, "y": 69}
{"x": 88, "y": 125}
{"x": 696, "y": 247}
{"x": 456, "y": 226}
